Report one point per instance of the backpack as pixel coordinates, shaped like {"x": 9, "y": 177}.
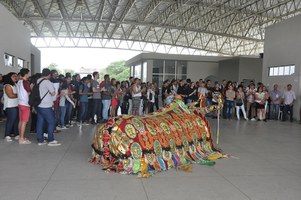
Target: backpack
{"x": 34, "y": 97}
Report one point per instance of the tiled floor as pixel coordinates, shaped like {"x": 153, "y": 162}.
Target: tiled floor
{"x": 266, "y": 165}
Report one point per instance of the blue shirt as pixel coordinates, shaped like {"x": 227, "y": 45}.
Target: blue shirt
{"x": 83, "y": 97}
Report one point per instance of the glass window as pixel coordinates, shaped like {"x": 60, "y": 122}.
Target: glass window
{"x": 132, "y": 70}
{"x": 158, "y": 66}
{"x": 170, "y": 67}
{"x": 281, "y": 70}
{"x": 169, "y": 77}
{"x": 158, "y": 79}
{"x": 287, "y": 70}
{"x": 9, "y": 60}
{"x": 137, "y": 71}
{"x": 20, "y": 63}
{"x": 181, "y": 67}
{"x": 144, "y": 71}
{"x": 292, "y": 69}
{"x": 181, "y": 76}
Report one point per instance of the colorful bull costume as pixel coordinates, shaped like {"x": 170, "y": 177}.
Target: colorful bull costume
{"x": 173, "y": 137}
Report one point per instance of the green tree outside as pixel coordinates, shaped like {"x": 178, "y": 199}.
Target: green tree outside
{"x": 116, "y": 70}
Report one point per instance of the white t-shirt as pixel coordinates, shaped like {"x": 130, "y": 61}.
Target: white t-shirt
{"x": 46, "y": 87}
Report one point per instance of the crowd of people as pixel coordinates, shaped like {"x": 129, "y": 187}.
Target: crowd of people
{"x": 250, "y": 101}
{"x": 65, "y": 100}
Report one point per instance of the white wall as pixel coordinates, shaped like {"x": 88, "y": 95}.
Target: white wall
{"x": 36, "y": 62}
{"x": 282, "y": 46}
{"x": 250, "y": 68}
{"x": 197, "y": 70}
{"x": 14, "y": 40}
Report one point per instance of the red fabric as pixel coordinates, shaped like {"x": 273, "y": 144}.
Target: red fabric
{"x": 26, "y": 86}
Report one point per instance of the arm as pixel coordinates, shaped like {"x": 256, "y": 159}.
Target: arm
{"x": 9, "y": 92}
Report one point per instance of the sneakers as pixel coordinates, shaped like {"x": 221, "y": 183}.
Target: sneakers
{"x": 42, "y": 143}
{"x": 58, "y": 128}
{"x": 253, "y": 119}
{"x": 54, "y": 143}
{"x": 17, "y": 137}
{"x": 64, "y": 127}
{"x": 8, "y": 139}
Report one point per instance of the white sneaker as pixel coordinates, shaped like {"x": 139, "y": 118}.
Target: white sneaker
{"x": 45, "y": 135}
{"x": 8, "y": 139}
{"x": 17, "y": 137}
{"x": 79, "y": 124}
{"x": 54, "y": 143}
{"x": 64, "y": 127}
{"x": 58, "y": 128}
{"x": 253, "y": 119}
{"x": 246, "y": 119}
{"x": 42, "y": 143}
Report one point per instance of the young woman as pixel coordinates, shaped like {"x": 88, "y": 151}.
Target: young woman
{"x": 151, "y": 93}
{"x": 239, "y": 103}
{"x": 230, "y": 95}
{"x": 260, "y": 98}
{"x": 136, "y": 92}
{"x": 64, "y": 95}
{"x": 11, "y": 106}
{"x": 191, "y": 93}
{"x": 114, "y": 101}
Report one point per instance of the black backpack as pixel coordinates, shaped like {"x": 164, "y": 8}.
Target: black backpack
{"x": 34, "y": 97}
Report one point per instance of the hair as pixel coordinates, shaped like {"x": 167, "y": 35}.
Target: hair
{"x": 64, "y": 84}
{"x": 24, "y": 71}
{"x": 68, "y": 74}
{"x": 94, "y": 74}
{"x": 135, "y": 79}
{"x": 112, "y": 81}
{"x": 46, "y": 72}
{"x": 53, "y": 71}
{"x": 106, "y": 76}
{"x": 240, "y": 86}
{"x": 35, "y": 77}
{"x": 7, "y": 78}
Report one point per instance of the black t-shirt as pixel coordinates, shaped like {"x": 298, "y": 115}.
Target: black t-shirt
{"x": 215, "y": 93}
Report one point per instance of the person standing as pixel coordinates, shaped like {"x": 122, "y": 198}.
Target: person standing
{"x": 24, "y": 108}
{"x": 151, "y": 93}
{"x": 64, "y": 98}
{"x": 10, "y": 97}
{"x": 230, "y": 96}
{"x": 84, "y": 92}
{"x": 136, "y": 92}
{"x": 239, "y": 102}
{"x": 251, "y": 102}
{"x": 45, "y": 109}
{"x": 289, "y": 97}
{"x": 275, "y": 96}
{"x": 106, "y": 96}
{"x": 97, "y": 105}
{"x": 260, "y": 99}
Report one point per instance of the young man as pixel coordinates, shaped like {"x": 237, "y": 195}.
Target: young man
{"x": 289, "y": 97}
{"x": 84, "y": 92}
{"x": 45, "y": 109}
{"x": 24, "y": 108}
{"x": 97, "y": 105}
{"x": 106, "y": 96}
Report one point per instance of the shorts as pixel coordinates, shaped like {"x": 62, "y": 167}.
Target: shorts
{"x": 24, "y": 113}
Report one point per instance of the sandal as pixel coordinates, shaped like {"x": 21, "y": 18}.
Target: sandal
{"x": 24, "y": 141}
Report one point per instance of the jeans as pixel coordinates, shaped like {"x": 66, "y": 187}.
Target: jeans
{"x": 63, "y": 110}
{"x": 229, "y": 108}
{"x": 12, "y": 121}
{"x": 83, "y": 110}
{"x": 242, "y": 108}
{"x": 68, "y": 112}
{"x": 45, "y": 114}
{"x": 275, "y": 111}
{"x": 105, "y": 108}
{"x": 97, "y": 106}
{"x": 288, "y": 108}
